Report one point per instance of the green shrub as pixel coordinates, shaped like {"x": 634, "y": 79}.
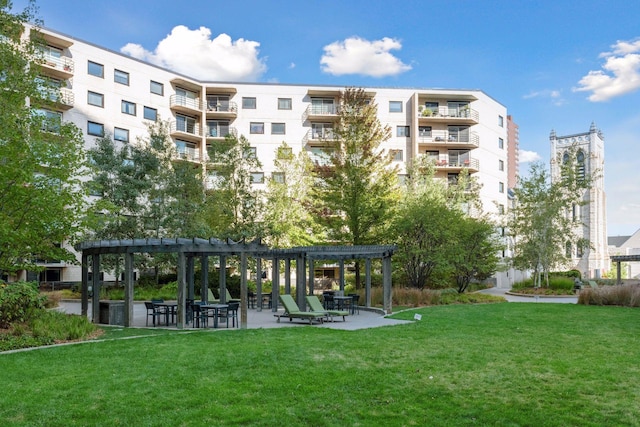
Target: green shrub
{"x": 622, "y": 295}
{"x": 18, "y": 300}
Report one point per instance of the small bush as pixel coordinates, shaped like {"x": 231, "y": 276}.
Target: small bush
{"x": 621, "y": 295}
{"x": 18, "y": 301}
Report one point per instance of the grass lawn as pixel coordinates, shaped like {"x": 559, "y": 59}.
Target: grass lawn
{"x": 504, "y": 364}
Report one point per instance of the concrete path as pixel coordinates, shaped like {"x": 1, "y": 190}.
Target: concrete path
{"x": 517, "y": 298}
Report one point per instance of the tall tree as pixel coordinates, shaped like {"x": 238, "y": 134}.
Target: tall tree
{"x": 41, "y": 157}
{"x": 288, "y": 221}
{"x": 233, "y": 207}
{"x": 540, "y": 222}
{"x": 357, "y": 189}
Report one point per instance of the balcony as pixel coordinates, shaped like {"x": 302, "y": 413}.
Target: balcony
{"x": 443, "y": 114}
{"x": 221, "y": 109}
{"x": 322, "y": 112}
{"x": 445, "y": 138}
{"x": 60, "y": 67}
{"x": 453, "y": 164}
{"x": 184, "y": 104}
{"x": 61, "y": 99}
{"x": 220, "y": 132}
{"x": 320, "y": 135}
{"x": 187, "y": 153}
{"x": 185, "y": 130}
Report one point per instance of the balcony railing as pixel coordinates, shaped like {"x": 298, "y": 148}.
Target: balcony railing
{"x": 214, "y": 106}
{"x": 446, "y": 112}
{"x": 320, "y": 134}
{"x": 446, "y": 137}
{"x": 184, "y": 101}
{"x": 62, "y": 63}
{"x": 186, "y": 153}
{"x": 221, "y": 131}
{"x": 322, "y": 110}
{"x": 456, "y": 163}
{"x": 185, "y": 127}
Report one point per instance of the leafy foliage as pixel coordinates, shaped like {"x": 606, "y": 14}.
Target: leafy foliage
{"x": 18, "y": 301}
{"x": 41, "y": 157}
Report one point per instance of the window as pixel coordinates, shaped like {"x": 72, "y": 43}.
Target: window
{"x": 568, "y": 250}
{"x": 94, "y": 98}
{"x": 121, "y": 135}
{"x": 186, "y": 124}
{"x": 95, "y": 129}
{"x": 501, "y": 143}
{"x": 128, "y": 107}
{"x": 277, "y": 128}
{"x": 157, "y": 88}
{"x": 257, "y": 177}
{"x": 150, "y": 113}
{"x": 95, "y": 69}
{"x": 256, "y": 127}
{"x": 284, "y": 103}
{"x": 424, "y": 131}
{"x": 121, "y": 77}
{"x": 278, "y": 177}
{"x": 50, "y": 120}
{"x": 580, "y": 167}
{"x": 251, "y": 153}
{"x": 395, "y": 106}
{"x": 396, "y": 155}
{"x": 430, "y": 108}
{"x": 500, "y": 121}
{"x": 403, "y": 131}
{"x": 218, "y": 128}
{"x": 249, "y": 103}
{"x": 321, "y": 131}
{"x": 501, "y": 187}
{"x": 501, "y": 165}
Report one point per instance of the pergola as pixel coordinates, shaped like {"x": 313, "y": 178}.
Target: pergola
{"x": 618, "y": 259}
{"x": 190, "y": 249}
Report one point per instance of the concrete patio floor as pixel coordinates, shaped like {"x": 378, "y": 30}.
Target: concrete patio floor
{"x": 263, "y": 319}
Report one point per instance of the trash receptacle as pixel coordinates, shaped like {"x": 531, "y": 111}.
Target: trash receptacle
{"x": 112, "y": 312}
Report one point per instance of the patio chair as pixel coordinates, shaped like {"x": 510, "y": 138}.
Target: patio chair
{"x": 316, "y": 305}
{"x": 153, "y": 312}
{"x": 231, "y": 312}
{"x": 199, "y": 316}
{"x": 292, "y": 311}
{"x": 211, "y": 299}
{"x": 354, "y": 304}
{"x": 229, "y": 297}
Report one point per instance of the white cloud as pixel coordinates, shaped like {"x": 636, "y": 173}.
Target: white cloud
{"x": 554, "y": 95}
{"x": 359, "y": 56}
{"x": 620, "y": 74}
{"x": 525, "y": 156}
{"x": 194, "y": 53}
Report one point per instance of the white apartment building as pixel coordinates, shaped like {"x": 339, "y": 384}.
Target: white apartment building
{"x": 107, "y": 92}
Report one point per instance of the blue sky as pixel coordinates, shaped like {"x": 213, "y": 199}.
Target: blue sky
{"x": 554, "y": 64}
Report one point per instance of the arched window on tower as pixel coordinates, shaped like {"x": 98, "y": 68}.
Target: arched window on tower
{"x": 568, "y": 250}
{"x": 565, "y": 160}
{"x": 580, "y": 169}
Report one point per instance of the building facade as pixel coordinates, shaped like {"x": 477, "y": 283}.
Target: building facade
{"x": 588, "y": 149}
{"x": 105, "y": 92}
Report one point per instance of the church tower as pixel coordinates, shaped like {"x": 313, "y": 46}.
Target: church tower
{"x": 588, "y": 149}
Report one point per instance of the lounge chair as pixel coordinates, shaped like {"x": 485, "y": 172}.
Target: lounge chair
{"x": 292, "y": 311}
{"x": 316, "y": 305}
{"x": 229, "y": 297}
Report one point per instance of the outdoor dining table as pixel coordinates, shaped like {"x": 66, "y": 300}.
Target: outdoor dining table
{"x": 169, "y": 310}
{"x": 216, "y": 309}
{"x": 341, "y": 300}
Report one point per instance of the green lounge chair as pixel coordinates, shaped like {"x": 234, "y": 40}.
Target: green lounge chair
{"x": 229, "y": 298}
{"x": 211, "y": 299}
{"x": 316, "y": 305}
{"x": 292, "y": 311}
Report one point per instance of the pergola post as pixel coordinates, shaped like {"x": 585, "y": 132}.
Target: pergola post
{"x": 386, "y": 284}
{"x": 190, "y": 276}
{"x": 311, "y": 275}
{"x": 243, "y": 290}
{"x": 275, "y": 284}
{"x": 182, "y": 284}
{"x": 342, "y": 280}
{"x": 204, "y": 276}
{"x": 301, "y": 281}
{"x": 128, "y": 289}
{"x": 95, "y": 285}
{"x": 259, "y": 283}
{"x": 85, "y": 284}
{"x": 287, "y": 276}
{"x": 367, "y": 283}
{"x": 222, "y": 294}
{"x": 618, "y": 273}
